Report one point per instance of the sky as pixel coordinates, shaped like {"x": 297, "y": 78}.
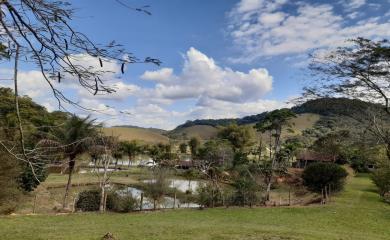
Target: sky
{"x": 220, "y": 58}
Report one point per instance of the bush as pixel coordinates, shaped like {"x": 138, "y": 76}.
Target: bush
{"x": 118, "y": 203}
{"x": 209, "y": 196}
{"x": 381, "y": 178}
{"x": 88, "y": 201}
{"x": 318, "y": 175}
{"x": 9, "y": 186}
{"x": 247, "y": 192}
{"x": 28, "y": 180}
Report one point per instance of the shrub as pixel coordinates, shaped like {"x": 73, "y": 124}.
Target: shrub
{"x": 247, "y": 192}
{"x": 9, "y": 186}
{"x": 88, "y": 201}
{"x": 381, "y": 178}
{"x": 118, "y": 203}
{"x": 157, "y": 187}
{"x": 318, "y": 175}
{"x": 29, "y": 180}
{"x": 209, "y": 196}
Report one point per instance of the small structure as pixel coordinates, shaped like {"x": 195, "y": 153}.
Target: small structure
{"x": 184, "y": 164}
{"x": 309, "y": 157}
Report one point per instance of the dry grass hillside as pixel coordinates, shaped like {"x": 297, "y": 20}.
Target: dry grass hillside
{"x": 201, "y": 131}
{"x": 140, "y": 134}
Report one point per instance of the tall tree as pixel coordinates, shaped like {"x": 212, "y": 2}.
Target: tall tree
{"x": 131, "y": 148}
{"x": 274, "y": 123}
{"x": 41, "y": 33}
{"x": 106, "y": 147}
{"x": 238, "y": 136}
{"x": 74, "y": 137}
{"x": 362, "y": 71}
{"x": 194, "y": 144}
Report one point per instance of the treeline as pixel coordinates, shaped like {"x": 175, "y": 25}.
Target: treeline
{"x": 38, "y": 123}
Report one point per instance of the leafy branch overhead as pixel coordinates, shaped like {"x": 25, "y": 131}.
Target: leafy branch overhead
{"x": 359, "y": 71}
{"x": 42, "y": 31}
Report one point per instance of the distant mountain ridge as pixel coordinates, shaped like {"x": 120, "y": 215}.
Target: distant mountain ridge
{"x": 322, "y": 106}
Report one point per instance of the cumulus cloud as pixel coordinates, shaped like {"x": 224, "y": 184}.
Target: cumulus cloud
{"x": 164, "y": 74}
{"x": 201, "y": 77}
{"x": 269, "y": 28}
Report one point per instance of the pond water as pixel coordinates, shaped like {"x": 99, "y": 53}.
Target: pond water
{"x": 180, "y": 184}
{"x": 147, "y": 204}
{"x": 93, "y": 170}
{"x": 125, "y": 162}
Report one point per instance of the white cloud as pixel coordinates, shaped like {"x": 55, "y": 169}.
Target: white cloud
{"x": 268, "y": 29}
{"x": 164, "y": 74}
{"x": 353, "y": 4}
{"x": 202, "y": 78}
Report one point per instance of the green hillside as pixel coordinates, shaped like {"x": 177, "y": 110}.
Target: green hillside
{"x": 325, "y": 113}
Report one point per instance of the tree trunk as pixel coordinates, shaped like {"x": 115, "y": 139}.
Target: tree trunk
{"x": 69, "y": 184}
{"x": 116, "y": 164}
{"x": 268, "y": 190}
{"x": 102, "y": 197}
{"x": 130, "y": 159}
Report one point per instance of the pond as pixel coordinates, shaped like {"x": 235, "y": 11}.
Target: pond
{"x": 180, "y": 184}
{"x": 167, "y": 202}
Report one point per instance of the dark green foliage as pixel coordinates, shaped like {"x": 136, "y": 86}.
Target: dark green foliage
{"x": 247, "y": 191}
{"x": 334, "y": 106}
{"x": 194, "y": 145}
{"x": 240, "y": 158}
{"x": 36, "y": 121}
{"x": 216, "y": 153}
{"x": 183, "y": 148}
{"x": 275, "y": 120}
{"x": 9, "y": 186}
{"x": 28, "y": 181}
{"x": 318, "y": 175}
{"x": 238, "y": 136}
{"x": 208, "y": 122}
{"x": 88, "y": 201}
{"x": 381, "y": 178}
{"x": 333, "y": 144}
{"x": 130, "y": 148}
{"x": 119, "y": 203}
{"x": 158, "y": 186}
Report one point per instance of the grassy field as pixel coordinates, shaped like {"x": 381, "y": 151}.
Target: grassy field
{"x": 357, "y": 213}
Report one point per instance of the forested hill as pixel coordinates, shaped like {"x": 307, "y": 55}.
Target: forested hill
{"x": 323, "y": 106}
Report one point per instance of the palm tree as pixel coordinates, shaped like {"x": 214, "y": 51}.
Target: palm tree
{"x": 73, "y": 137}
{"x": 131, "y": 149}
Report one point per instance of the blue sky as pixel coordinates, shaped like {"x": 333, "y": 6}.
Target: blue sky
{"x": 221, "y": 58}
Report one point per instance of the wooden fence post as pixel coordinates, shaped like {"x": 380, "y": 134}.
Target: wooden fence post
{"x": 142, "y": 202}
{"x": 35, "y": 202}
{"x": 174, "y": 200}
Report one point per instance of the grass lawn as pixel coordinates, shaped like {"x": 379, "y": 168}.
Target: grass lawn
{"x": 357, "y": 213}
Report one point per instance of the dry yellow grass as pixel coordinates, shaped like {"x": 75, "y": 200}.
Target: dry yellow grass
{"x": 201, "y": 131}
{"x": 140, "y": 134}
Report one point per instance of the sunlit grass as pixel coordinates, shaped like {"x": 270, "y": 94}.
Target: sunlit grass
{"x": 357, "y": 213}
